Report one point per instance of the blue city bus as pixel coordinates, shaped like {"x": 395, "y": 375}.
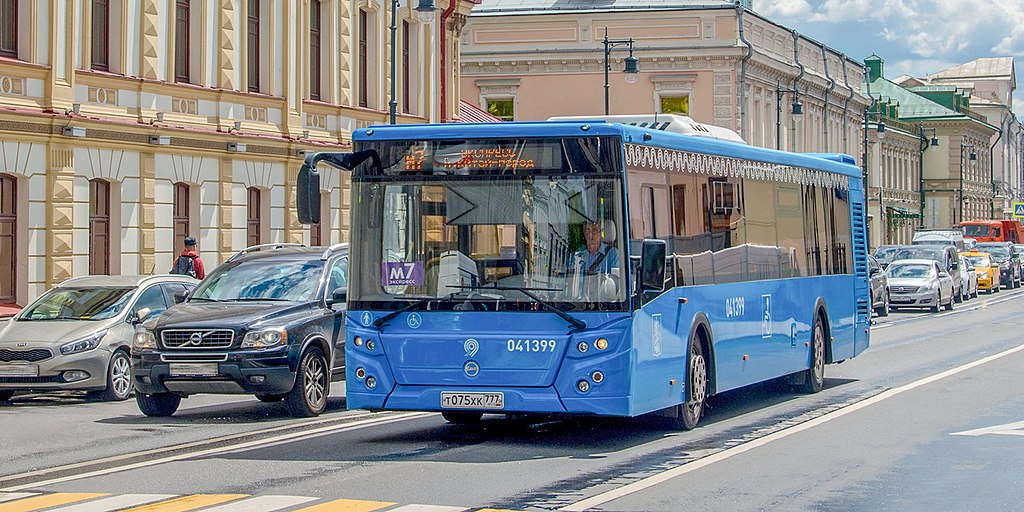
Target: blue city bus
{"x": 591, "y": 267}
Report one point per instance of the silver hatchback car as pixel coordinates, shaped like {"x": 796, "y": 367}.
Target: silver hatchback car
{"x": 78, "y": 334}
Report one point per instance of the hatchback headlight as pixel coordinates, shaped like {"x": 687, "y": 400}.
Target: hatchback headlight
{"x": 264, "y": 338}
{"x": 82, "y": 344}
{"x": 143, "y": 340}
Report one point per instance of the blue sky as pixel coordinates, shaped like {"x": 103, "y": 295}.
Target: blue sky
{"x": 914, "y": 37}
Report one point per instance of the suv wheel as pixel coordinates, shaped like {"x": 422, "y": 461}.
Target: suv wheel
{"x": 158, "y": 404}
{"x": 5, "y": 395}
{"x": 308, "y": 396}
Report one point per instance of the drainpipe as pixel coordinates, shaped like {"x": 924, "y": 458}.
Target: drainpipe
{"x": 743, "y": 72}
{"x": 992, "y": 163}
{"x": 796, "y": 80}
{"x": 846, "y": 105}
{"x": 444, "y": 57}
{"x": 828, "y": 92}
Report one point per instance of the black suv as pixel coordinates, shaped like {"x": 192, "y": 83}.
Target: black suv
{"x": 269, "y": 321}
{"x": 1006, "y": 255}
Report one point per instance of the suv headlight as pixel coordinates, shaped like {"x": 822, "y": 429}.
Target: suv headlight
{"x": 82, "y": 344}
{"x": 143, "y": 340}
{"x": 265, "y": 338}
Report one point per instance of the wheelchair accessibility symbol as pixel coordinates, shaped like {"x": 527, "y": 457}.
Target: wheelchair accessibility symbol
{"x": 414, "y": 321}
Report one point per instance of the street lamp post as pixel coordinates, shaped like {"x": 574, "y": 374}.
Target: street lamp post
{"x": 925, "y": 142}
{"x": 797, "y": 110}
{"x": 880, "y": 129}
{"x": 631, "y": 69}
{"x": 960, "y": 197}
{"x": 425, "y": 12}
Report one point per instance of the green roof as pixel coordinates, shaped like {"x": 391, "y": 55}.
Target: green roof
{"x": 911, "y": 104}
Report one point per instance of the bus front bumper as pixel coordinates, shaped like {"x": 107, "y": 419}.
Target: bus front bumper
{"x": 514, "y": 400}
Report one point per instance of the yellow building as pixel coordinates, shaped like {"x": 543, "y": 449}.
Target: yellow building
{"x": 127, "y": 124}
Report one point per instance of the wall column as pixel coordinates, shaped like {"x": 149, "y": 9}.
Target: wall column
{"x": 225, "y": 209}
{"x": 147, "y": 214}
{"x": 60, "y": 185}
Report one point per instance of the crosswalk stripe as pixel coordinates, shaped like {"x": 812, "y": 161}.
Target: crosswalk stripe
{"x": 186, "y": 503}
{"x": 11, "y": 496}
{"x": 427, "y": 508}
{"x": 346, "y": 506}
{"x": 262, "y": 504}
{"x": 115, "y": 503}
{"x": 47, "y": 501}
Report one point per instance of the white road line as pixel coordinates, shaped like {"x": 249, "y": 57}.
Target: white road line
{"x": 1009, "y": 429}
{"x": 114, "y": 503}
{"x": 11, "y": 496}
{"x": 424, "y": 508}
{"x": 651, "y": 481}
{"x": 267, "y": 503}
{"x": 213, "y": 451}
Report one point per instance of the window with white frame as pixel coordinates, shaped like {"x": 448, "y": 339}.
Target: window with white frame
{"x": 498, "y": 96}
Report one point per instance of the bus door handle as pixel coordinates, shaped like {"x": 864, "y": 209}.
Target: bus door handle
{"x": 792, "y": 334}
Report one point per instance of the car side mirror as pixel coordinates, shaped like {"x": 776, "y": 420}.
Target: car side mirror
{"x": 338, "y": 296}
{"x": 652, "y": 265}
{"x": 180, "y": 296}
{"x": 140, "y": 315}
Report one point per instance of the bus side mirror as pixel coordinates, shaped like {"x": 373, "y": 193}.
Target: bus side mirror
{"x": 652, "y": 265}
{"x": 307, "y": 192}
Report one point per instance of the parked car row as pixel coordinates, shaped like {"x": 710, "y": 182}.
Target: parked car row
{"x": 268, "y": 322}
{"x": 934, "y": 275}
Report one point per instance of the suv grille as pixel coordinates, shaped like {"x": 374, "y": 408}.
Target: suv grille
{"x": 32, "y": 356}
{"x": 192, "y": 338}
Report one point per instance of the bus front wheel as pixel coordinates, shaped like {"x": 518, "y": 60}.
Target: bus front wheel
{"x": 814, "y": 377}
{"x": 697, "y": 384}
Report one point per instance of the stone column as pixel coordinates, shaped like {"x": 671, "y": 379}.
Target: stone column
{"x": 60, "y": 228}
{"x": 149, "y": 40}
{"x": 147, "y": 213}
{"x": 225, "y": 208}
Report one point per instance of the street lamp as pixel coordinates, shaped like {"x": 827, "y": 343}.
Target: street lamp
{"x": 425, "y": 13}
{"x": 880, "y": 130}
{"x": 631, "y": 69}
{"x": 973, "y": 157}
{"x": 797, "y": 110}
{"x": 925, "y": 143}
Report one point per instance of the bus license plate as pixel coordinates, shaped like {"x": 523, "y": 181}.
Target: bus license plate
{"x": 470, "y": 400}
{"x": 19, "y": 370}
{"x": 194, "y": 369}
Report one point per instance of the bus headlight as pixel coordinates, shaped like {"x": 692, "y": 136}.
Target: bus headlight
{"x": 264, "y": 338}
{"x": 583, "y": 347}
{"x": 583, "y": 386}
{"x": 601, "y": 343}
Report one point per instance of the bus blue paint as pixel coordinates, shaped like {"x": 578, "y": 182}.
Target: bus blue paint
{"x": 759, "y": 328}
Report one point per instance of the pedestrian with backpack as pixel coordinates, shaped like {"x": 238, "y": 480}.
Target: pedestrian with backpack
{"x": 188, "y": 262}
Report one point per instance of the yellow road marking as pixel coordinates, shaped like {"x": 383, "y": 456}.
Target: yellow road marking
{"x": 186, "y": 503}
{"x": 47, "y": 501}
{"x": 347, "y": 506}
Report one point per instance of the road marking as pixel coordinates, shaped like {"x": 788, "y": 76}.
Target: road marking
{"x": 651, "y": 481}
{"x": 178, "y": 447}
{"x": 222, "y": 449}
{"x": 48, "y": 501}
{"x": 1008, "y": 429}
{"x": 427, "y": 508}
{"x": 267, "y": 503}
{"x": 11, "y": 496}
{"x": 115, "y": 503}
{"x": 347, "y": 506}
{"x": 186, "y": 503}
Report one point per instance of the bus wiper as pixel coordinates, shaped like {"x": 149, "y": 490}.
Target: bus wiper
{"x": 386, "y": 318}
{"x": 575, "y": 322}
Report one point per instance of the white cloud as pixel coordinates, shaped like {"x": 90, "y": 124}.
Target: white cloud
{"x": 783, "y": 9}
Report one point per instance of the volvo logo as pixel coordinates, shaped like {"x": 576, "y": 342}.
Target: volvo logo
{"x": 196, "y": 339}
{"x": 471, "y": 368}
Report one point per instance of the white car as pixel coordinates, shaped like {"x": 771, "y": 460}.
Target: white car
{"x": 970, "y": 278}
{"x": 919, "y": 283}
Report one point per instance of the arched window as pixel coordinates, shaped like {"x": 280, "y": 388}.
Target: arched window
{"x": 182, "y": 217}
{"x": 253, "y": 228}
{"x": 8, "y": 238}
{"x": 99, "y": 227}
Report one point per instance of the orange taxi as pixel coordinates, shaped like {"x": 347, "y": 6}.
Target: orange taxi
{"x": 986, "y": 268}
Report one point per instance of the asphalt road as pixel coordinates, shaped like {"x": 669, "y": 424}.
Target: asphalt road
{"x": 929, "y": 418}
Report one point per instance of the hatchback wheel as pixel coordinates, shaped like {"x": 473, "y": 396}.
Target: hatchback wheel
{"x": 119, "y": 379}
{"x": 308, "y": 396}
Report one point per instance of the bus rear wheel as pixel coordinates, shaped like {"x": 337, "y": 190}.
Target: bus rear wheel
{"x": 692, "y": 409}
{"x": 814, "y": 377}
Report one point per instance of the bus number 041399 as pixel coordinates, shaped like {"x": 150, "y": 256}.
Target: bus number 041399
{"x": 531, "y": 345}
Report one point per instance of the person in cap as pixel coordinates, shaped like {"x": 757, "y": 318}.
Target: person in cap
{"x": 188, "y": 262}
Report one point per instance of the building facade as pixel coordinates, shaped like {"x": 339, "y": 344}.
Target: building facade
{"x": 125, "y": 125}
{"x": 715, "y": 61}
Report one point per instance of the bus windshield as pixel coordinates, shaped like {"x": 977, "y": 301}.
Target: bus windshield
{"x": 494, "y": 241}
